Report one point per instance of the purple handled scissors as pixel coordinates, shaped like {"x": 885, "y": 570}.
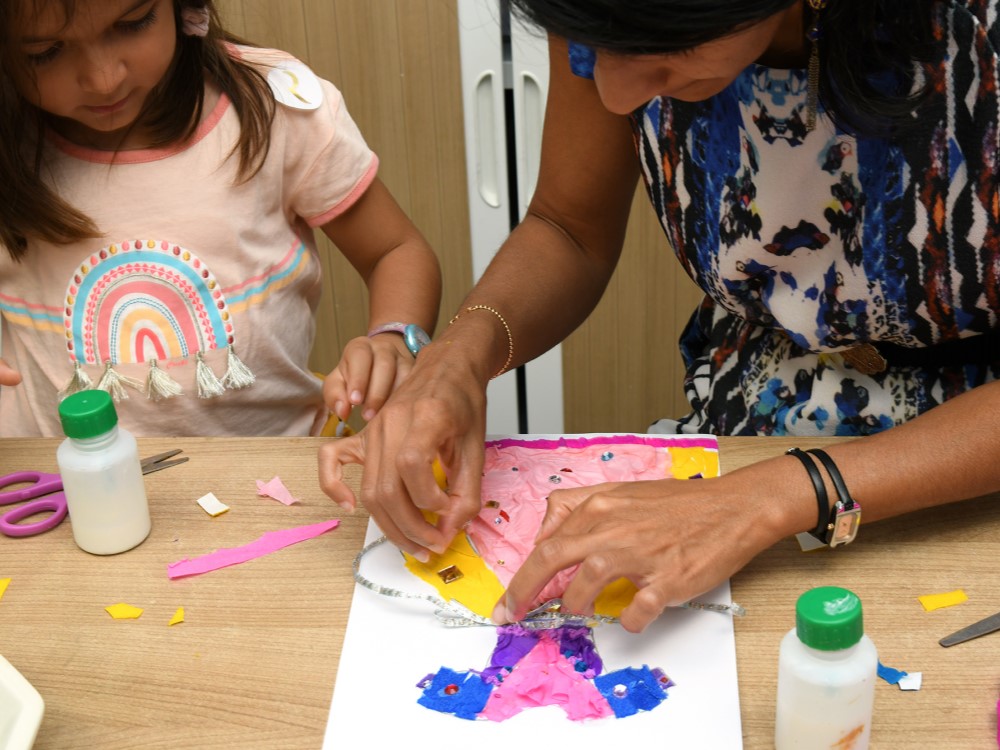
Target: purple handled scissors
{"x": 44, "y": 491}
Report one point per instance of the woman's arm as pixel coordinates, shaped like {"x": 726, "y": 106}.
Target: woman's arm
{"x": 543, "y": 282}
{"x": 676, "y": 540}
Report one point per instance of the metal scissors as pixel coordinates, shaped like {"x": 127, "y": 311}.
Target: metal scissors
{"x": 976, "y": 629}
{"x": 44, "y": 491}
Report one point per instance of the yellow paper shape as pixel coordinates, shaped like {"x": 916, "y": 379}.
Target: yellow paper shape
{"x": 122, "y": 611}
{"x": 178, "y": 616}
{"x": 478, "y": 589}
{"x": 937, "y": 601}
{"x": 4, "y": 582}
{"x": 688, "y": 462}
{"x": 439, "y": 476}
{"x": 614, "y": 598}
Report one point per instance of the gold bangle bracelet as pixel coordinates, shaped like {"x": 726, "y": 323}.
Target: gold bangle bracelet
{"x": 510, "y": 337}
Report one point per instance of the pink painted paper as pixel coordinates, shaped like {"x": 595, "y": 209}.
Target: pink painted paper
{"x": 270, "y": 542}
{"x": 544, "y": 677}
{"x": 518, "y": 475}
{"x": 276, "y": 489}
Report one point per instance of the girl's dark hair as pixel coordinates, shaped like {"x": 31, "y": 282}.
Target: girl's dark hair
{"x": 29, "y": 208}
{"x": 870, "y": 50}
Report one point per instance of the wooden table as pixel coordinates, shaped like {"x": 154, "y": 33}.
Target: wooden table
{"x": 254, "y": 663}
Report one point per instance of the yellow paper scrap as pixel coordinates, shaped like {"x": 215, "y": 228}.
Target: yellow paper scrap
{"x": 693, "y": 462}
{"x": 478, "y": 588}
{"x": 4, "y": 582}
{"x": 122, "y": 611}
{"x": 937, "y": 601}
{"x": 212, "y": 505}
{"x": 439, "y": 476}
{"x": 178, "y": 616}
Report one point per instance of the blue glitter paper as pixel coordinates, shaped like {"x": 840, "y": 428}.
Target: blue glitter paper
{"x": 466, "y": 703}
{"x": 890, "y": 675}
{"x": 642, "y": 690}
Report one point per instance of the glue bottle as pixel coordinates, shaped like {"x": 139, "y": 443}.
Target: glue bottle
{"x": 102, "y": 476}
{"x": 827, "y": 669}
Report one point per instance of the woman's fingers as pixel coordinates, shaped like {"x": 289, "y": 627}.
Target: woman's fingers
{"x": 672, "y": 539}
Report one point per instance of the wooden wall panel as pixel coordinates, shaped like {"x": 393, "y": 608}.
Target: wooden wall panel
{"x": 621, "y": 368}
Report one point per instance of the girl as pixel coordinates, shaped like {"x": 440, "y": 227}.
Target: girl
{"x": 160, "y": 184}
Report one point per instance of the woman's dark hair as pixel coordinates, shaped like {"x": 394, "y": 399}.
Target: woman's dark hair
{"x": 29, "y": 208}
{"x": 869, "y": 50}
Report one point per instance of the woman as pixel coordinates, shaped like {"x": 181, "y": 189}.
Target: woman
{"x": 827, "y": 174}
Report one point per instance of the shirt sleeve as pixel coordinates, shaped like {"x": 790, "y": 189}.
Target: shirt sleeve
{"x": 327, "y": 163}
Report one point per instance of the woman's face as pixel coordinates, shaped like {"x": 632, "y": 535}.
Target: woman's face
{"x": 96, "y": 69}
{"x": 626, "y": 82}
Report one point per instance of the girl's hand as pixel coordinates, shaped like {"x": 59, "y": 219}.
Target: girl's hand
{"x": 369, "y": 370}
{"x": 8, "y": 375}
{"x": 437, "y": 413}
{"x": 674, "y": 539}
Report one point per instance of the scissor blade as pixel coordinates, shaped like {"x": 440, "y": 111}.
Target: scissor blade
{"x": 976, "y": 629}
{"x": 161, "y": 457}
{"x": 157, "y": 462}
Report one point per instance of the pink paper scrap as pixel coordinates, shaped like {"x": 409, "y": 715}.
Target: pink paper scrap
{"x": 276, "y": 489}
{"x": 269, "y": 542}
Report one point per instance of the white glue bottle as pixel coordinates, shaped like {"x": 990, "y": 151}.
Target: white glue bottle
{"x": 827, "y": 669}
{"x": 101, "y": 474}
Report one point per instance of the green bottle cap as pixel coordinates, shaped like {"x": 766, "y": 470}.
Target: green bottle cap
{"x": 87, "y": 414}
{"x": 828, "y": 618}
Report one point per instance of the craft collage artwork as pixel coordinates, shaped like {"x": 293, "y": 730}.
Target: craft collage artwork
{"x": 552, "y": 672}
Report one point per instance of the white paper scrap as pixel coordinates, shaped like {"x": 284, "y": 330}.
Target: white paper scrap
{"x": 211, "y": 505}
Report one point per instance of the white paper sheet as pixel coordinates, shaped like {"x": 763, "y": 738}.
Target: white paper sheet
{"x": 391, "y": 644}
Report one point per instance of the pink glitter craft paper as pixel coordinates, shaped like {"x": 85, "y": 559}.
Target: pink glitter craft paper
{"x": 270, "y": 542}
{"x": 544, "y": 677}
{"x": 277, "y": 490}
{"x": 519, "y": 475}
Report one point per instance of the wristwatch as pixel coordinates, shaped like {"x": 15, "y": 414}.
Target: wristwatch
{"x": 414, "y": 336}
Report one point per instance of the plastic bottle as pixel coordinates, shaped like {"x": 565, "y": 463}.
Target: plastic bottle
{"x": 102, "y": 476}
{"x": 827, "y": 669}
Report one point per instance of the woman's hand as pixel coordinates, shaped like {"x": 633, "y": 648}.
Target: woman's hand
{"x": 439, "y": 412}
{"x": 369, "y": 370}
{"x": 674, "y": 539}
{"x": 8, "y": 375}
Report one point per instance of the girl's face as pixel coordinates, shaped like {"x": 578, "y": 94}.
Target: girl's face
{"x": 96, "y": 69}
{"x": 626, "y": 82}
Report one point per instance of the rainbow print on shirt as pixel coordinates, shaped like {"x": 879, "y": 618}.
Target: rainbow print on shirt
{"x": 139, "y": 301}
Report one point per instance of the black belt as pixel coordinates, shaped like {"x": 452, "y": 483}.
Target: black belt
{"x": 874, "y": 357}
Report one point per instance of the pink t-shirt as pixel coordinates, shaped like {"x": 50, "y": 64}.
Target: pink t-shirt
{"x": 190, "y": 265}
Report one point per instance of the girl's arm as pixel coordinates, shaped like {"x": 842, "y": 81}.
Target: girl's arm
{"x": 543, "y": 283}
{"x": 404, "y": 284}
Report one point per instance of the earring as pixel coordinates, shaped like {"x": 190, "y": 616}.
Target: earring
{"x": 813, "y": 35}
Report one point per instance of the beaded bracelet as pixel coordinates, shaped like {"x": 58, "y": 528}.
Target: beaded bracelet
{"x": 510, "y": 337}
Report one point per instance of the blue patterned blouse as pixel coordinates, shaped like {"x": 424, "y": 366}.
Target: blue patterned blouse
{"x": 810, "y": 243}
